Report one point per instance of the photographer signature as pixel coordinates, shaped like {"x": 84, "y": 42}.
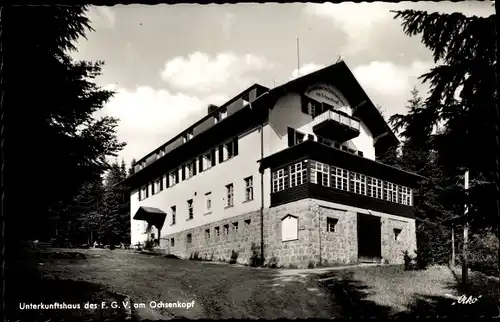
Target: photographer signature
{"x": 464, "y": 299}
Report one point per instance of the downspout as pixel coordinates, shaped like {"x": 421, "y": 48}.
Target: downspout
{"x": 261, "y": 184}
{"x": 319, "y": 236}
{"x": 262, "y": 196}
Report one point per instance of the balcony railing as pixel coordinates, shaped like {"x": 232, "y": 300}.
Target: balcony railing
{"x": 337, "y": 117}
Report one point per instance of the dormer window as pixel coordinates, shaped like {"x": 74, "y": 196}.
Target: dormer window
{"x": 188, "y": 136}
{"x": 222, "y": 114}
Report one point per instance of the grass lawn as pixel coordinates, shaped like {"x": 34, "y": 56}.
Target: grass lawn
{"x": 389, "y": 290}
{"x": 228, "y": 291}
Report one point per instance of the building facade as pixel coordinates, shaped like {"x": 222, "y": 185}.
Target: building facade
{"x": 289, "y": 174}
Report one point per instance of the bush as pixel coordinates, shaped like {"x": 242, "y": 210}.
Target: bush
{"x": 149, "y": 245}
{"x": 234, "y": 257}
{"x": 483, "y": 255}
{"x": 273, "y": 262}
{"x": 255, "y": 259}
{"x": 311, "y": 265}
{"x": 292, "y": 266}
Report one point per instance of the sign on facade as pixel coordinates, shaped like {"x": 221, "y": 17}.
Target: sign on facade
{"x": 289, "y": 228}
{"x": 327, "y": 94}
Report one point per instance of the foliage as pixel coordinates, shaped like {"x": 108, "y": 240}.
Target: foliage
{"x": 54, "y": 119}
{"x": 451, "y": 130}
{"x": 462, "y": 99}
{"x": 255, "y": 259}
{"x": 234, "y": 257}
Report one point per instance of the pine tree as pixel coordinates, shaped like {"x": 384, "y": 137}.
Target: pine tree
{"x": 59, "y": 143}
{"x": 463, "y": 95}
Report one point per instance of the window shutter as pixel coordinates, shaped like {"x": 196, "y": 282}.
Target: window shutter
{"x": 221, "y": 153}
{"x": 200, "y": 163}
{"x": 212, "y": 156}
{"x": 194, "y": 167}
{"x": 183, "y": 172}
{"x": 167, "y": 179}
{"x": 291, "y": 137}
{"x": 303, "y": 103}
{"x": 235, "y": 146}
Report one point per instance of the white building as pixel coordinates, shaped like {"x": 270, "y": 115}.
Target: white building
{"x": 290, "y": 173}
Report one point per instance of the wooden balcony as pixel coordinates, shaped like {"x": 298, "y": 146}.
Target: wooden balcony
{"x": 336, "y": 126}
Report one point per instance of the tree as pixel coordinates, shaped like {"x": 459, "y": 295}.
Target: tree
{"x": 116, "y": 206}
{"x": 463, "y": 98}
{"x": 131, "y": 169}
{"x": 416, "y": 155}
{"x": 59, "y": 144}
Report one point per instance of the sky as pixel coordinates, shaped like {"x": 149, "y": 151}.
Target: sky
{"x": 167, "y": 63}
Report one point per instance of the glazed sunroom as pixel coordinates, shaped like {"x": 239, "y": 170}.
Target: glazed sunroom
{"x": 314, "y": 170}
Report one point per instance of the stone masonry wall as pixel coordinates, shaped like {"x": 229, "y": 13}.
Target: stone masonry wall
{"x": 335, "y": 247}
{"x": 218, "y": 248}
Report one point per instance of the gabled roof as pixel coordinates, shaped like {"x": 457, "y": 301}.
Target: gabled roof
{"x": 203, "y": 119}
{"x": 340, "y": 76}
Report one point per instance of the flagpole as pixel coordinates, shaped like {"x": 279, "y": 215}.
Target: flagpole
{"x": 298, "y": 58}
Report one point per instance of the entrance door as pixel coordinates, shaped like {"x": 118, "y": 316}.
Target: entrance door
{"x": 369, "y": 238}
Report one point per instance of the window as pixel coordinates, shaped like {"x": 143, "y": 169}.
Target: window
{"x": 325, "y": 141}
{"x": 247, "y": 223}
{"x": 299, "y": 137}
{"x": 207, "y": 233}
{"x": 249, "y": 188}
{"x": 391, "y": 192}
{"x": 189, "y": 238}
{"x": 279, "y": 180}
{"x": 340, "y": 179}
{"x": 230, "y": 195}
{"x": 174, "y": 177}
{"x": 298, "y": 174}
{"x": 143, "y": 193}
{"x": 188, "y": 136}
{"x": 217, "y": 231}
{"x": 158, "y": 186}
{"x": 230, "y": 149}
{"x": 331, "y": 223}
{"x": 358, "y": 183}
{"x": 208, "y": 201}
{"x": 226, "y": 229}
{"x": 189, "y": 170}
{"x": 320, "y": 173}
{"x": 220, "y": 116}
{"x": 172, "y": 242}
{"x": 207, "y": 160}
{"x": 173, "y": 209}
{"x": 235, "y": 227}
{"x": 397, "y": 232}
{"x": 190, "y": 209}
{"x": 375, "y": 187}
{"x": 294, "y": 137}
{"x": 404, "y": 195}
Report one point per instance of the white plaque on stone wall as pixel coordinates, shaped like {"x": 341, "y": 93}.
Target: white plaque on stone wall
{"x": 289, "y": 228}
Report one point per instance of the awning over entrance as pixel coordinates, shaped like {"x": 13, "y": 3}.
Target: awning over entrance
{"x": 153, "y": 216}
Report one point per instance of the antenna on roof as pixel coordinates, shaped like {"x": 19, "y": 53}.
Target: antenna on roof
{"x": 340, "y": 58}
{"x": 298, "y": 58}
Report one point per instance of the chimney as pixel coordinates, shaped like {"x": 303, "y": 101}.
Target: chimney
{"x": 211, "y": 108}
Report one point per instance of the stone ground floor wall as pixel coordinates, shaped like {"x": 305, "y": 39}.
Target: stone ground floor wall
{"x": 315, "y": 241}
